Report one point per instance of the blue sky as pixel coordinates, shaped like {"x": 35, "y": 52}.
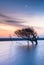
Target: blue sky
{"x": 22, "y": 6}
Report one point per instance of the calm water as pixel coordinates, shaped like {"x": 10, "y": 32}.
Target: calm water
{"x": 16, "y": 53}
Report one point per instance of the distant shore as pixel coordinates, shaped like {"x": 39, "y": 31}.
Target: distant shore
{"x": 19, "y": 39}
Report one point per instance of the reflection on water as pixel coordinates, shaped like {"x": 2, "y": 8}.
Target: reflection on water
{"x": 13, "y": 54}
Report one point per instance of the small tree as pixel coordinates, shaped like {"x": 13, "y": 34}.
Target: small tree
{"x": 27, "y": 33}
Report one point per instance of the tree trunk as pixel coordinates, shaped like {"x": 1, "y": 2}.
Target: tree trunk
{"x": 28, "y": 43}
{"x": 36, "y": 42}
{"x": 32, "y": 42}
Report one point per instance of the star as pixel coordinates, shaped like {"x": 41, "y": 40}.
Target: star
{"x": 26, "y": 5}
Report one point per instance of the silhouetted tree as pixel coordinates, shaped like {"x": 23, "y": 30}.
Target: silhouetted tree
{"x": 27, "y": 33}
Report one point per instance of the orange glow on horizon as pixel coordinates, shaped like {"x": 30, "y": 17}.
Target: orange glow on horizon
{"x": 5, "y": 29}
{"x": 8, "y": 27}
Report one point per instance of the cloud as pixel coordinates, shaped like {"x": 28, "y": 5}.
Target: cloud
{"x": 4, "y": 16}
{"x": 10, "y": 21}
{"x": 14, "y": 22}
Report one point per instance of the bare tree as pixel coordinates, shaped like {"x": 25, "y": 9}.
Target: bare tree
{"x": 27, "y": 33}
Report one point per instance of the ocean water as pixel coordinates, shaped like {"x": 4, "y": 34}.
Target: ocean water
{"x": 17, "y": 53}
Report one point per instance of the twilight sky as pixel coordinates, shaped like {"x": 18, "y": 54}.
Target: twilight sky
{"x": 15, "y": 14}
